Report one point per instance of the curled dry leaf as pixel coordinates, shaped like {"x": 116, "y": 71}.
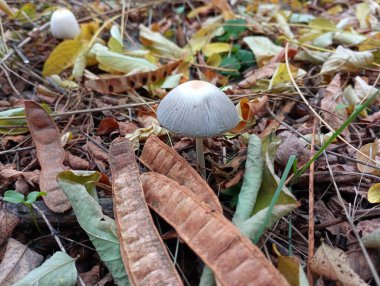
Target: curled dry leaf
{"x": 160, "y": 158}
{"x": 333, "y": 263}
{"x": 8, "y": 222}
{"x": 20, "y": 257}
{"x": 50, "y": 154}
{"x": 372, "y": 150}
{"x": 230, "y": 255}
{"x": 8, "y": 175}
{"x": 124, "y": 83}
{"x": 265, "y": 72}
{"x": 143, "y": 252}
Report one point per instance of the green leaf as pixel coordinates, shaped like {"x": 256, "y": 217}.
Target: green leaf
{"x": 57, "y": 270}
{"x": 230, "y": 62}
{"x": 251, "y": 182}
{"x": 171, "y": 81}
{"x": 33, "y": 196}
{"x": 100, "y": 228}
{"x": 13, "y": 197}
{"x": 246, "y": 58}
{"x": 232, "y": 29}
{"x": 285, "y": 203}
{"x": 372, "y": 240}
{"x": 14, "y": 122}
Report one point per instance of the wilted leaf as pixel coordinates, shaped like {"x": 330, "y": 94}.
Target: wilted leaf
{"x": 58, "y": 269}
{"x": 224, "y": 7}
{"x": 374, "y": 193}
{"x": 8, "y": 222}
{"x": 371, "y": 150}
{"x": 209, "y": 234}
{"x": 204, "y": 35}
{"x": 20, "y": 257}
{"x": 50, "y": 154}
{"x": 159, "y": 44}
{"x": 144, "y": 254}
{"x": 20, "y": 111}
{"x": 115, "y": 43}
{"x": 100, "y": 228}
{"x": 171, "y": 81}
{"x": 346, "y": 60}
{"x": 5, "y": 8}
{"x": 111, "y": 61}
{"x": 160, "y": 158}
{"x": 142, "y": 134}
{"x": 333, "y": 264}
{"x": 362, "y": 12}
{"x": 262, "y": 47}
{"x": 281, "y": 75}
{"x": 62, "y": 57}
{"x": 264, "y": 72}
{"x": 322, "y": 24}
{"x": 349, "y": 39}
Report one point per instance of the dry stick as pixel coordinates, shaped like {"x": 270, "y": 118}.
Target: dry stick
{"x": 312, "y": 109}
{"x": 54, "y": 234}
{"x": 311, "y": 209}
{"x": 350, "y": 221}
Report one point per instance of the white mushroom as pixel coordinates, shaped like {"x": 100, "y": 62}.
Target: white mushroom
{"x": 197, "y": 109}
{"x": 64, "y": 25}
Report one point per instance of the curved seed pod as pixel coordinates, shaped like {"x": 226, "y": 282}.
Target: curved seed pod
{"x": 143, "y": 252}
{"x": 160, "y": 158}
{"x": 232, "y": 257}
{"x": 124, "y": 83}
{"x": 50, "y": 154}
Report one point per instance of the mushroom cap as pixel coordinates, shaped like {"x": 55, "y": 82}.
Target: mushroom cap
{"x": 197, "y": 109}
{"x": 64, "y": 25}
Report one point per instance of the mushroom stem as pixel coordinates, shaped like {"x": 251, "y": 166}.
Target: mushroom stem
{"x": 200, "y": 156}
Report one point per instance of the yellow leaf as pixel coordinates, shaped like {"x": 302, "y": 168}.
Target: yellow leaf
{"x": 87, "y": 30}
{"x": 322, "y": 24}
{"x": 62, "y": 57}
{"x": 214, "y": 60}
{"x": 374, "y": 194}
{"x": 281, "y": 75}
{"x": 372, "y": 150}
{"x": 362, "y": 13}
{"x": 216, "y": 48}
{"x": 199, "y": 10}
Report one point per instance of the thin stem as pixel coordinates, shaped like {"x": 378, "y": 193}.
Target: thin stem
{"x": 200, "y": 156}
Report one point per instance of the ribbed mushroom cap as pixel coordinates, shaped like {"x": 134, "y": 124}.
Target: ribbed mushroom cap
{"x": 197, "y": 109}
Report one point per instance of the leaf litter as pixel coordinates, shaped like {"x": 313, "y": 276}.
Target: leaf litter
{"x": 62, "y": 103}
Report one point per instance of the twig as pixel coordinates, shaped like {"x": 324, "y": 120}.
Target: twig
{"x": 354, "y": 230}
{"x": 56, "y": 237}
{"x": 311, "y": 209}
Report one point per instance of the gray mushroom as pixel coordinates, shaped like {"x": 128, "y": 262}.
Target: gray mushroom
{"x": 197, "y": 109}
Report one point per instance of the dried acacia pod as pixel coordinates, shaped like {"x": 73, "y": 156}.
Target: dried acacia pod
{"x": 160, "y": 158}
{"x": 124, "y": 83}
{"x": 143, "y": 252}
{"x": 232, "y": 257}
{"x": 50, "y": 154}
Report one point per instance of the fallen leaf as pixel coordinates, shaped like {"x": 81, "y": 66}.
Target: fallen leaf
{"x": 160, "y": 158}
{"x": 262, "y": 47}
{"x": 62, "y": 57}
{"x": 144, "y": 254}
{"x": 159, "y": 45}
{"x": 209, "y": 234}
{"x": 8, "y": 175}
{"x": 333, "y": 264}
{"x": 50, "y": 154}
{"x": 91, "y": 277}
{"x": 346, "y": 60}
{"x": 17, "y": 126}
{"x": 60, "y": 267}
{"x": 143, "y": 134}
{"x": 20, "y": 257}
{"x": 100, "y": 228}
{"x": 372, "y": 151}
{"x": 107, "y": 125}
{"x": 264, "y": 72}
{"x": 216, "y": 48}
{"x": 224, "y": 7}
{"x": 8, "y": 222}
{"x": 374, "y": 194}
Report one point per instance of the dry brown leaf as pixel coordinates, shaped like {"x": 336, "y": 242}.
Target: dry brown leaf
{"x": 230, "y": 255}
{"x": 124, "y": 83}
{"x": 8, "y": 175}
{"x": 372, "y": 150}
{"x": 107, "y": 125}
{"x": 330, "y": 102}
{"x": 264, "y": 72}
{"x": 160, "y": 158}
{"x": 50, "y": 154}
{"x": 18, "y": 260}
{"x": 143, "y": 252}
{"x": 333, "y": 263}
{"x": 274, "y": 124}
{"x": 225, "y": 8}
{"x": 90, "y": 277}
{"x": 75, "y": 162}
{"x": 8, "y": 222}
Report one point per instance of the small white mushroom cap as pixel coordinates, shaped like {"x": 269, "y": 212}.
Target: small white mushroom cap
{"x": 197, "y": 109}
{"x": 64, "y": 25}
